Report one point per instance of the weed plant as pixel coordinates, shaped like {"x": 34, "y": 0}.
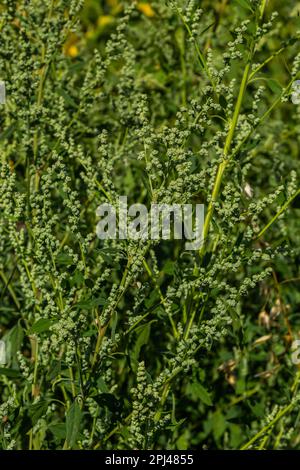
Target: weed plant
{"x": 123, "y": 344}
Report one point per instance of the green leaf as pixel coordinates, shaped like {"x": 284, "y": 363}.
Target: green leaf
{"x": 219, "y": 424}
{"x": 199, "y": 392}
{"x": 245, "y": 4}
{"x": 41, "y": 325}
{"x": 274, "y": 86}
{"x": 63, "y": 259}
{"x": 180, "y": 39}
{"x": 73, "y": 420}
{"x": 109, "y": 254}
{"x": 101, "y": 385}
{"x": 207, "y": 28}
{"x": 143, "y": 333}
{"x": 91, "y": 332}
{"x": 58, "y": 430}
{"x": 236, "y": 435}
{"x": 176, "y": 425}
{"x": 54, "y": 370}
{"x": 89, "y": 303}
{"x": 10, "y": 373}
{"x": 155, "y": 80}
{"x": 77, "y": 279}
{"x": 14, "y": 341}
{"x": 169, "y": 268}
{"x": 37, "y": 410}
{"x": 152, "y": 299}
{"x": 68, "y": 99}
{"x": 183, "y": 442}
{"x": 281, "y": 199}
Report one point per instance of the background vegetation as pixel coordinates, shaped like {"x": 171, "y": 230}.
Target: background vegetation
{"x": 142, "y": 345}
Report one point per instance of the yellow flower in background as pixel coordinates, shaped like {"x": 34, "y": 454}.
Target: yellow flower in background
{"x": 105, "y": 20}
{"x": 70, "y": 47}
{"x": 90, "y": 34}
{"x": 146, "y": 8}
{"x": 72, "y": 51}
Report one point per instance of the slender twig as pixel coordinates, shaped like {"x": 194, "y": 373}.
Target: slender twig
{"x": 279, "y": 213}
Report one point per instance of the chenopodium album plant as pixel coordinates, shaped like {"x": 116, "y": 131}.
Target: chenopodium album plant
{"x": 140, "y": 344}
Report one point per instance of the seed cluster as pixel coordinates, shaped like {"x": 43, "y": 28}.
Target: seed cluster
{"x": 141, "y": 344}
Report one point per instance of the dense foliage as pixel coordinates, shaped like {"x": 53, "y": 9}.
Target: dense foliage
{"x": 123, "y": 344}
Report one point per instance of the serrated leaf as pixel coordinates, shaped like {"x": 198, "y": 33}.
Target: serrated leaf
{"x": 37, "y": 410}
{"x": 77, "y": 279}
{"x": 199, "y": 392}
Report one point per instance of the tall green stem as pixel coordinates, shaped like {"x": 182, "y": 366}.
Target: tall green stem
{"x": 230, "y": 136}
{"x": 224, "y": 163}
